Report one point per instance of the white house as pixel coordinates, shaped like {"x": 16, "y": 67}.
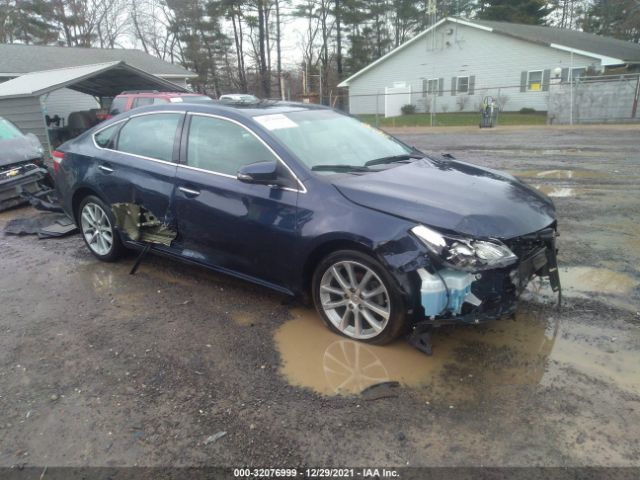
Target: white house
{"x": 18, "y": 59}
{"x": 455, "y": 63}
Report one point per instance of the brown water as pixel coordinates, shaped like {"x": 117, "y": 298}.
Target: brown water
{"x": 581, "y": 281}
{"x": 316, "y": 358}
{"x": 558, "y": 192}
{"x": 467, "y": 362}
{"x": 561, "y": 174}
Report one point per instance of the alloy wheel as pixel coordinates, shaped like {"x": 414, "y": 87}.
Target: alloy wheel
{"x": 96, "y": 228}
{"x": 355, "y": 300}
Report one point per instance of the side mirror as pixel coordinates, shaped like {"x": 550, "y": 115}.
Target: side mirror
{"x": 261, "y": 173}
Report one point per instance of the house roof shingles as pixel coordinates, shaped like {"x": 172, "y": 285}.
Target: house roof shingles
{"x": 21, "y": 59}
{"x": 588, "y": 42}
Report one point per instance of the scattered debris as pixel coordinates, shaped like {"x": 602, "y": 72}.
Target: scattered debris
{"x": 45, "y": 225}
{"x": 215, "y": 437}
{"x": 381, "y": 390}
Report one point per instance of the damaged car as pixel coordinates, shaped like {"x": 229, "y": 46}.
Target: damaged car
{"x": 311, "y": 202}
{"x": 21, "y": 164}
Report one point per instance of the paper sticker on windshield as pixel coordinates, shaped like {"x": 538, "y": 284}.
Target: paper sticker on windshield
{"x": 276, "y": 121}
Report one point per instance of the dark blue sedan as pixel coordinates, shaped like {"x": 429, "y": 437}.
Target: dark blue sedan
{"x": 312, "y": 203}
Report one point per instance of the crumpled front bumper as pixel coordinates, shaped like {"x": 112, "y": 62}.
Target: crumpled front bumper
{"x": 14, "y": 181}
{"x": 493, "y": 294}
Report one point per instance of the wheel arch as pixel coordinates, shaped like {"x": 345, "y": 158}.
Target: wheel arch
{"x": 77, "y": 198}
{"x": 325, "y": 248}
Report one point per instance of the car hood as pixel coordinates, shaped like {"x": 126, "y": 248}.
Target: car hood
{"x": 18, "y": 150}
{"x": 452, "y": 195}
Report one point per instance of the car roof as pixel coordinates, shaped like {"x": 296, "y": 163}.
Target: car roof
{"x": 253, "y": 109}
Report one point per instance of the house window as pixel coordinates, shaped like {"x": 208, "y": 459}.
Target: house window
{"x": 534, "y": 81}
{"x": 430, "y": 87}
{"x": 463, "y": 84}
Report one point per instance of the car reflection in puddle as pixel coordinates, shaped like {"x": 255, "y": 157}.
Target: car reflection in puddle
{"x": 500, "y": 353}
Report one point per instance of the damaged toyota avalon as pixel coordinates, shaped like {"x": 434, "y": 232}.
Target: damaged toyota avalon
{"x": 312, "y": 203}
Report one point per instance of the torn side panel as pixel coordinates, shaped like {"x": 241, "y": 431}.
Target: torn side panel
{"x": 141, "y": 225}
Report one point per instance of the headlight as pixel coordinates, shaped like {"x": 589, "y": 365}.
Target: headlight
{"x": 465, "y": 253}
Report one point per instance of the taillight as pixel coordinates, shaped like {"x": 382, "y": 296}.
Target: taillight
{"x": 57, "y": 160}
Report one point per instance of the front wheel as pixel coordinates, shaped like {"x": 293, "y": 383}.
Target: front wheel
{"x": 357, "y": 297}
{"x": 96, "y": 223}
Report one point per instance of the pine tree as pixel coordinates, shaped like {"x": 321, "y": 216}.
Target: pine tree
{"x": 533, "y": 12}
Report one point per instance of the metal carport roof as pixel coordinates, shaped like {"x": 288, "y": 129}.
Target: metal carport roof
{"x": 100, "y": 80}
{"x": 20, "y": 97}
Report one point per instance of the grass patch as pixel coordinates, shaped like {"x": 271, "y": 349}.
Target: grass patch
{"x": 456, "y": 119}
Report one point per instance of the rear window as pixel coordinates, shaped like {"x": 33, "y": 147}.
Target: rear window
{"x": 8, "y": 130}
{"x": 104, "y": 138}
{"x": 118, "y": 105}
{"x": 196, "y": 99}
{"x": 142, "y": 101}
{"x": 151, "y": 136}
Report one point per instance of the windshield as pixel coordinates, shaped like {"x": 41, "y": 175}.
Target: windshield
{"x": 325, "y": 137}
{"x": 8, "y": 130}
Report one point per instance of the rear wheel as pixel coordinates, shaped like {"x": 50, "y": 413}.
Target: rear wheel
{"x": 357, "y": 298}
{"x": 97, "y": 226}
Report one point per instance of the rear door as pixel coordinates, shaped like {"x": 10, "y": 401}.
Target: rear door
{"x": 249, "y": 229}
{"x": 138, "y": 165}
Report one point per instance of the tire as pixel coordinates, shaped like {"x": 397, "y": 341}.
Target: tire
{"x": 373, "y": 312}
{"x": 91, "y": 212}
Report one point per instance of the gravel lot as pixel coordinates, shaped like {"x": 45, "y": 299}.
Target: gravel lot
{"x": 101, "y": 368}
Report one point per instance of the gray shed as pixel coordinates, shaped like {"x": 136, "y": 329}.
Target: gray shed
{"x": 20, "y": 97}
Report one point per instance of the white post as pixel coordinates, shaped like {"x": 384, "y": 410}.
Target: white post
{"x": 571, "y": 91}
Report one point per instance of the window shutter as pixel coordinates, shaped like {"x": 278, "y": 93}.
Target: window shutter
{"x": 440, "y": 87}
{"x": 546, "y": 76}
{"x": 424, "y": 88}
{"x": 472, "y": 84}
{"x": 523, "y": 82}
{"x": 453, "y": 86}
{"x": 564, "y": 76}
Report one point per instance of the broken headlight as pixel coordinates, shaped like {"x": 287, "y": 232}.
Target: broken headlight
{"x": 465, "y": 253}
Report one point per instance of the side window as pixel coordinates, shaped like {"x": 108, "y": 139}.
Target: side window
{"x": 463, "y": 84}
{"x": 222, "y": 146}
{"x": 142, "y": 101}
{"x": 150, "y": 135}
{"x": 534, "y": 81}
{"x": 118, "y": 105}
{"x": 104, "y": 138}
{"x": 158, "y": 100}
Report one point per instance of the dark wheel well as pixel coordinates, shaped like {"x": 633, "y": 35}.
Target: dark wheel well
{"x": 80, "y": 194}
{"x": 322, "y": 251}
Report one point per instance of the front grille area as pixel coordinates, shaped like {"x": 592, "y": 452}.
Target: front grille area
{"x": 527, "y": 245}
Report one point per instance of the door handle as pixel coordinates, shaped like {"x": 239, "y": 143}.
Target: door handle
{"x": 188, "y": 192}
{"x": 106, "y": 169}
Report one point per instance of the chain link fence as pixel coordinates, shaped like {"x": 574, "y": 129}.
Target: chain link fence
{"x": 601, "y": 99}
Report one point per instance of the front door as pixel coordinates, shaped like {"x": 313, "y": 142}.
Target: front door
{"x": 245, "y": 228}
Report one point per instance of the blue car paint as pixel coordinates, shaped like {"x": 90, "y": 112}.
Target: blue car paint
{"x": 272, "y": 236}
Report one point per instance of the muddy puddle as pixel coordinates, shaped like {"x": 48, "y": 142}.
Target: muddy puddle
{"x": 467, "y": 363}
{"x": 514, "y": 351}
{"x": 561, "y": 174}
{"x": 581, "y": 281}
{"x": 557, "y": 192}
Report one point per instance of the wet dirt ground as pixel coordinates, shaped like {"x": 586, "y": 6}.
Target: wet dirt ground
{"x": 101, "y": 368}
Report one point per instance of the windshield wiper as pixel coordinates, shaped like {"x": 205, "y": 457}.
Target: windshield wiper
{"x": 393, "y": 159}
{"x": 340, "y": 168}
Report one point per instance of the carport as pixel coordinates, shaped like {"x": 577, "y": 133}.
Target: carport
{"x": 20, "y": 98}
